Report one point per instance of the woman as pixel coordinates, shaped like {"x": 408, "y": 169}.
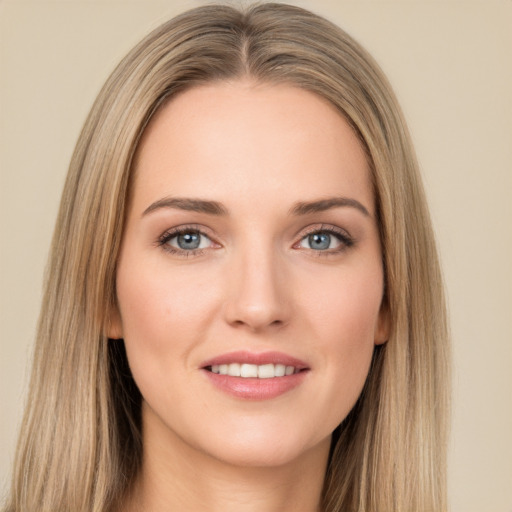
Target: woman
{"x": 260, "y": 324}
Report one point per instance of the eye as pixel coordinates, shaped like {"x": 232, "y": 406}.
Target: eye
{"x": 185, "y": 241}
{"x": 189, "y": 241}
{"x": 326, "y": 240}
{"x": 320, "y": 241}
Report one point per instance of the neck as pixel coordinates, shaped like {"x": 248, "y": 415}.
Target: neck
{"x": 175, "y": 476}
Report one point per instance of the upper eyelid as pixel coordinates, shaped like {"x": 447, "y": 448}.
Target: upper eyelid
{"x": 176, "y": 230}
{"x": 318, "y": 228}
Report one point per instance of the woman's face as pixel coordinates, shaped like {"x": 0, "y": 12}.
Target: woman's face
{"x": 250, "y": 246}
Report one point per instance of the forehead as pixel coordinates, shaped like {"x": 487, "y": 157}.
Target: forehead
{"x": 241, "y": 138}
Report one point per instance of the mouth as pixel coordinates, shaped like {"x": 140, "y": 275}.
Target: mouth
{"x": 253, "y": 376}
{"x": 246, "y": 371}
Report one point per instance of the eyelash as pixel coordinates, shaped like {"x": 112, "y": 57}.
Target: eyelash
{"x": 342, "y": 236}
{"x": 165, "y": 238}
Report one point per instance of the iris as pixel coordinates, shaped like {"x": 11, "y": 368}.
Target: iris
{"x": 319, "y": 241}
{"x": 188, "y": 241}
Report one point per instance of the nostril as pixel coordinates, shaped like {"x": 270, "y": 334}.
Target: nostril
{"x": 257, "y": 324}
{"x": 256, "y": 300}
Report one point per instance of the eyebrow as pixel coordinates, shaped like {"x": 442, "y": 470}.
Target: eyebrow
{"x": 304, "y": 208}
{"x": 188, "y": 204}
{"x": 216, "y": 208}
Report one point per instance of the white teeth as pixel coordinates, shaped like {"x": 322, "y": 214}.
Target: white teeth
{"x": 263, "y": 371}
{"x": 266, "y": 371}
{"x": 234, "y": 370}
{"x": 279, "y": 370}
{"x": 248, "y": 370}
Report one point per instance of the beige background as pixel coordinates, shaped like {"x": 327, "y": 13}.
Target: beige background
{"x": 450, "y": 63}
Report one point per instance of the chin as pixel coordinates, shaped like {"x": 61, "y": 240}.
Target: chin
{"x": 261, "y": 450}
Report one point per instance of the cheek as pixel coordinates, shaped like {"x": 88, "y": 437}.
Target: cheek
{"x": 166, "y": 314}
{"x": 158, "y": 304}
{"x": 344, "y": 317}
{"x": 346, "y": 307}
{"x": 163, "y": 318}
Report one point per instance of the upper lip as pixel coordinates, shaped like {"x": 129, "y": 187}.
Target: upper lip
{"x": 245, "y": 357}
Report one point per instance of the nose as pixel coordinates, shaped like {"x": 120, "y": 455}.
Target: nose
{"x": 258, "y": 292}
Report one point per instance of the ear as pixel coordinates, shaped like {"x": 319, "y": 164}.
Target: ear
{"x": 383, "y": 326}
{"x": 114, "y": 324}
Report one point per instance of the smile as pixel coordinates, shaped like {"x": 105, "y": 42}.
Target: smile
{"x": 255, "y": 376}
{"x": 244, "y": 370}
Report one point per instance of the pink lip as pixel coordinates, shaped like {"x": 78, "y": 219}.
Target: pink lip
{"x": 253, "y": 388}
{"x": 245, "y": 357}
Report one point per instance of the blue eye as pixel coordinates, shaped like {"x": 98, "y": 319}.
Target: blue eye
{"x": 326, "y": 240}
{"x": 319, "y": 241}
{"x": 187, "y": 240}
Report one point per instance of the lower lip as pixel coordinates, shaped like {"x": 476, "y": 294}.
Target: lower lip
{"x": 253, "y": 388}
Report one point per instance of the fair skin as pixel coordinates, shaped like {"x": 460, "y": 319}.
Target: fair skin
{"x": 261, "y": 271}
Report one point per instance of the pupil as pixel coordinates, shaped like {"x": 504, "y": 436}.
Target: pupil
{"x": 319, "y": 241}
{"x": 189, "y": 241}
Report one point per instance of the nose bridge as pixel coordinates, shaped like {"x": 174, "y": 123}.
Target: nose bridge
{"x": 257, "y": 295}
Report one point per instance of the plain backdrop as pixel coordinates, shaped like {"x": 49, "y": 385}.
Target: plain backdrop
{"x": 450, "y": 63}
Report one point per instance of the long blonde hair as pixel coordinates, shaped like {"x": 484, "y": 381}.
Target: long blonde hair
{"x": 80, "y": 444}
